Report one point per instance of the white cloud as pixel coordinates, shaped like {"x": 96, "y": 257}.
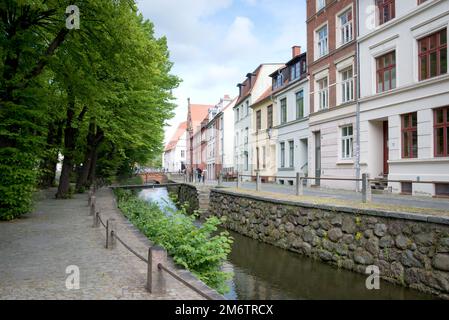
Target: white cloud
{"x": 240, "y": 40}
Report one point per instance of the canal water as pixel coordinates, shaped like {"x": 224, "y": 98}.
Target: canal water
{"x": 261, "y": 271}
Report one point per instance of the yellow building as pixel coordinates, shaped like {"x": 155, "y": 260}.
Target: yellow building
{"x": 264, "y": 137}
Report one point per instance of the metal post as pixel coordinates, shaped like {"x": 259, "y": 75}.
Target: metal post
{"x": 110, "y": 228}
{"x": 366, "y": 188}
{"x": 220, "y": 179}
{"x": 96, "y": 223}
{"x": 155, "y": 278}
{"x": 299, "y": 184}
{"x": 93, "y": 203}
{"x": 238, "y": 180}
{"x": 257, "y": 181}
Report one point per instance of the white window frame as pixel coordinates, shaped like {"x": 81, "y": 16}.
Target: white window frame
{"x": 347, "y": 85}
{"x": 291, "y": 153}
{"x": 347, "y": 142}
{"x": 322, "y": 44}
{"x": 345, "y": 30}
{"x": 323, "y": 94}
{"x": 282, "y": 154}
{"x": 320, "y": 4}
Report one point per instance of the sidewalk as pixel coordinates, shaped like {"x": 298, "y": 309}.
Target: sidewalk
{"x": 36, "y": 250}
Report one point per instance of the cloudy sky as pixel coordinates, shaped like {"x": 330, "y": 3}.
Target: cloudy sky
{"x": 215, "y": 43}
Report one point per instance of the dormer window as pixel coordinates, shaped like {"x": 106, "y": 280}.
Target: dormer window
{"x": 278, "y": 81}
{"x": 295, "y": 71}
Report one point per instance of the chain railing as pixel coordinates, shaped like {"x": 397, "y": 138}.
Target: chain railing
{"x": 157, "y": 256}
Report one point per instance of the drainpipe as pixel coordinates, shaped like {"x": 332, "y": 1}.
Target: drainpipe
{"x": 357, "y": 145}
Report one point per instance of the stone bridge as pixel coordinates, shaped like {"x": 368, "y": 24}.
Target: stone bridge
{"x": 154, "y": 177}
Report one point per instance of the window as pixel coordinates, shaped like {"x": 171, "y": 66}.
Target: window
{"x": 442, "y": 189}
{"x": 433, "y": 55}
{"x": 246, "y": 135}
{"x": 300, "y": 104}
{"x": 346, "y": 142}
{"x": 246, "y": 108}
{"x": 269, "y": 117}
{"x": 295, "y": 71}
{"x": 282, "y": 154}
{"x": 291, "y": 147}
{"x": 410, "y": 135}
{"x": 346, "y": 27}
{"x": 406, "y": 187}
{"x": 347, "y": 85}
{"x": 386, "y": 10}
{"x": 246, "y": 161}
{"x": 323, "y": 94}
{"x": 237, "y": 140}
{"x": 258, "y": 120}
{"x": 386, "y": 72}
{"x": 278, "y": 81}
{"x": 322, "y": 41}
{"x": 183, "y": 153}
{"x": 320, "y": 4}
{"x": 236, "y": 115}
{"x": 257, "y": 158}
{"x": 241, "y": 112}
{"x": 283, "y": 110}
{"x": 441, "y": 133}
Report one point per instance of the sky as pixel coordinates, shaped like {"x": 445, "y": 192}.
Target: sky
{"x": 215, "y": 43}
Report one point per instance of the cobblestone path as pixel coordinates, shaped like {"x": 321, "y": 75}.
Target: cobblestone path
{"x": 36, "y": 250}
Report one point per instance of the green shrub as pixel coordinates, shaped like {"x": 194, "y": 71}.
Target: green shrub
{"x": 199, "y": 249}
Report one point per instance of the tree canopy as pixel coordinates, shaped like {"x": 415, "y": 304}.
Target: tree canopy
{"x": 99, "y": 96}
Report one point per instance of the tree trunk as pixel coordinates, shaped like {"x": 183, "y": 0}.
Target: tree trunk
{"x": 81, "y": 181}
{"x": 48, "y": 165}
{"x": 93, "y": 167}
{"x": 70, "y": 135}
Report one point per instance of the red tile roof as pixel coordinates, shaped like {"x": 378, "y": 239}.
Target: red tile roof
{"x": 197, "y": 113}
{"x": 175, "y": 138}
{"x": 265, "y": 95}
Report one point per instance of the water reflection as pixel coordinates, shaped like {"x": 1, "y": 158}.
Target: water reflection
{"x": 264, "y": 272}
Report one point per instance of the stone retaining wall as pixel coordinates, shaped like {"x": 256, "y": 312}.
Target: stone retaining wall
{"x": 186, "y": 193}
{"x": 411, "y": 250}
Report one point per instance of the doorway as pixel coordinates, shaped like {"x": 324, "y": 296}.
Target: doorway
{"x": 317, "y": 157}
{"x": 386, "y": 155}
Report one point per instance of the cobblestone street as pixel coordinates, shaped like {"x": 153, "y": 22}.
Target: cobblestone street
{"x": 36, "y": 250}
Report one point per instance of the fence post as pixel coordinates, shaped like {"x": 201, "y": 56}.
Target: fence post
{"x": 299, "y": 184}
{"x": 220, "y": 178}
{"x": 155, "y": 277}
{"x": 93, "y": 203}
{"x": 96, "y": 223}
{"x": 110, "y": 228}
{"x": 238, "y": 180}
{"x": 257, "y": 181}
{"x": 366, "y": 188}
{"x": 89, "y": 199}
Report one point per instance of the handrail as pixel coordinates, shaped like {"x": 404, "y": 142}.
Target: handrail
{"x": 160, "y": 266}
{"x": 177, "y": 277}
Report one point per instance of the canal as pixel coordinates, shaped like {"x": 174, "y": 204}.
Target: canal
{"x": 261, "y": 271}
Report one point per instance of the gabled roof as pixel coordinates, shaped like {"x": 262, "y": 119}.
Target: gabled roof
{"x": 196, "y": 114}
{"x": 175, "y": 138}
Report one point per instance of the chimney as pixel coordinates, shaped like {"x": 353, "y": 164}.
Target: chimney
{"x": 296, "y": 51}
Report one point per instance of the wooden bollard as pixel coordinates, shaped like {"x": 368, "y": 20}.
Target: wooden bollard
{"x": 110, "y": 239}
{"x": 96, "y": 223}
{"x": 92, "y": 205}
{"x": 155, "y": 277}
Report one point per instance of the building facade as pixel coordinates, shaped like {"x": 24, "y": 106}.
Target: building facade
{"x": 175, "y": 150}
{"x": 250, "y": 90}
{"x": 332, "y": 66}
{"x": 220, "y": 130}
{"x": 197, "y": 116}
{"x": 291, "y": 106}
{"x": 404, "y": 102}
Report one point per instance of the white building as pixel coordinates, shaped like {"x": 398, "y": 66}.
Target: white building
{"x": 404, "y": 87}
{"x": 175, "y": 150}
{"x": 255, "y": 84}
{"x": 290, "y": 102}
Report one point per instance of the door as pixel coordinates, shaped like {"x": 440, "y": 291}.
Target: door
{"x": 317, "y": 157}
{"x": 386, "y": 149}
